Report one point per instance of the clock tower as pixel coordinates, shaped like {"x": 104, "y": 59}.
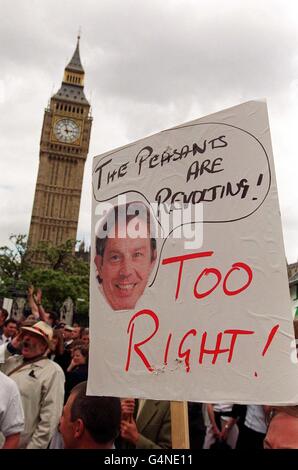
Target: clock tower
{"x": 64, "y": 147}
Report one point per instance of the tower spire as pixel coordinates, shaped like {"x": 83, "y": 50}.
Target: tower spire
{"x": 75, "y": 64}
{"x": 74, "y": 72}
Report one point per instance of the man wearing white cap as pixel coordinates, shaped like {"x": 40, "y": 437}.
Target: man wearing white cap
{"x": 67, "y": 335}
{"x": 40, "y": 381}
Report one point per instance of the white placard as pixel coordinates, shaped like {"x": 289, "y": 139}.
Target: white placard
{"x": 205, "y": 314}
{"x": 7, "y": 304}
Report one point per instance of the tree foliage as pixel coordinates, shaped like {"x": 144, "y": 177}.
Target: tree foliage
{"x": 64, "y": 274}
{"x": 13, "y": 261}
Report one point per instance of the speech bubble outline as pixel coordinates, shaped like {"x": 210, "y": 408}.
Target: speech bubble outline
{"x": 132, "y": 191}
{"x": 114, "y": 152}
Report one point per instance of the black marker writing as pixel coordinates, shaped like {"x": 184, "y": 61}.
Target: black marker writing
{"x": 197, "y": 169}
{"x": 146, "y": 156}
{"x": 111, "y": 175}
{"x": 203, "y": 195}
{"x": 99, "y": 169}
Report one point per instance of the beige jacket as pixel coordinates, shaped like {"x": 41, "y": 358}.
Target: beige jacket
{"x": 41, "y": 386}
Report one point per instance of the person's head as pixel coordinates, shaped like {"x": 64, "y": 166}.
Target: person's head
{"x": 80, "y": 355}
{"x": 76, "y": 332}
{"x": 10, "y": 328}
{"x": 57, "y": 343}
{"x": 77, "y": 343}
{"x": 125, "y": 254}
{"x": 85, "y": 337}
{"x": 52, "y": 319}
{"x": 3, "y": 316}
{"x": 282, "y": 432}
{"x": 36, "y": 339}
{"x": 67, "y": 332}
{"x": 60, "y": 326}
{"x": 89, "y": 422}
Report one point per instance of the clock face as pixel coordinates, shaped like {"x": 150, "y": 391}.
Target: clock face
{"x": 66, "y": 130}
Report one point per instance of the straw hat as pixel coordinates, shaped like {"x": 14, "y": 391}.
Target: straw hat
{"x": 40, "y": 329}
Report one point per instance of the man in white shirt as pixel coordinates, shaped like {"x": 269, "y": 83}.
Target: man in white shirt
{"x": 11, "y": 413}
{"x": 255, "y": 427}
{"x": 9, "y": 331}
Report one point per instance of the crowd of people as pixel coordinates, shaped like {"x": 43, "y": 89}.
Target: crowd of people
{"x": 44, "y": 402}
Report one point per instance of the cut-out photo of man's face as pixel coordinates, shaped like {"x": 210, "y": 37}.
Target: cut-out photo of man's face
{"x": 124, "y": 263}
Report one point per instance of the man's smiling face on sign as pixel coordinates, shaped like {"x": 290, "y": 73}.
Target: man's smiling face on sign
{"x": 125, "y": 267}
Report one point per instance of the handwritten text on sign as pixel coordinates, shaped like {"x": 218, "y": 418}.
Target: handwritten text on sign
{"x": 210, "y": 170}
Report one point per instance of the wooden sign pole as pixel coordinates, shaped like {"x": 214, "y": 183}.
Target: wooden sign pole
{"x": 179, "y": 425}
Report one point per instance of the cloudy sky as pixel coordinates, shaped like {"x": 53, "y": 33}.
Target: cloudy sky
{"x": 150, "y": 64}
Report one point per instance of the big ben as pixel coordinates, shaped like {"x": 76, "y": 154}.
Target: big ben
{"x": 64, "y": 147}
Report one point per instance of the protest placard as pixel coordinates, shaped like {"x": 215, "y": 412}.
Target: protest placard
{"x": 197, "y": 308}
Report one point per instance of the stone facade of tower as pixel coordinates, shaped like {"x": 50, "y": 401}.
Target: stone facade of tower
{"x": 64, "y": 147}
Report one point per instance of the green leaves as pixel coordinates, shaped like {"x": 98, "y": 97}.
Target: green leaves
{"x": 65, "y": 275}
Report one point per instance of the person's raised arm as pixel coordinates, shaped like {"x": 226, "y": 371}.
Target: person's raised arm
{"x": 41, "y": 312}
{"x": 32, "y": 303}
